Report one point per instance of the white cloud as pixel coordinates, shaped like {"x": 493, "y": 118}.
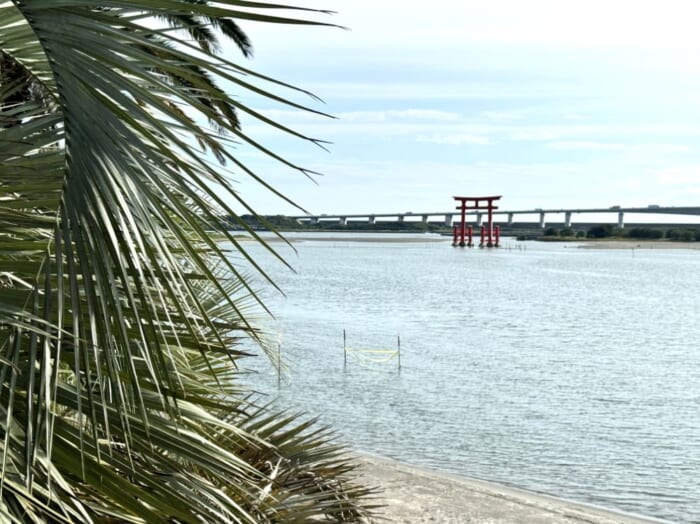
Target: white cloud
{"x": 449, "y": 128}
{"x": 538, "y": 83}
{"x": 404, "y": 115}
{"x": 455, "y": 139}
{"x": 536, "y": 133}
{"x": 681, "y": 175}
{"x": 590, "y": 24}
{"x": 662, "y": 148}
{"x": 503, "y": 116}
{"x": 400, "y": 115}
{"x": 607, "y": 146}
{"x": 481, "y": 90}
{"x": 599, "y": 146}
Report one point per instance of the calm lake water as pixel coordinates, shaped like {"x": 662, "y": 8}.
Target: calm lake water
{"x": 574, "y": 372}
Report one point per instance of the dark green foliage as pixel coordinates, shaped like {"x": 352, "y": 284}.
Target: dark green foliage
{"x": 604, "y": 231}
{"x": 12, "y": 73}
{"x": 563, "y": 233}
{"x": 645, "y": 233}
{"x": 284, "y": 223}
{"x": 121, "y": 317}
{"x": 683, "y": 234}
{"x": 566, "y": 232}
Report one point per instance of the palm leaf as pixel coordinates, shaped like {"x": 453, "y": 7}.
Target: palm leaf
{"x": 119, "y": 311}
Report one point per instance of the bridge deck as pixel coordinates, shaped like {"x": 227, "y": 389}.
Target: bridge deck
{"x": 661, "y": 210}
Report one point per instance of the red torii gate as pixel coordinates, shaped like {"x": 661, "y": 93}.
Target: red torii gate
{"x": 461, "y": 232}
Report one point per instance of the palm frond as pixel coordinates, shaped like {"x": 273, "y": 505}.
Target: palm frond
{"x": 120, "y": 311}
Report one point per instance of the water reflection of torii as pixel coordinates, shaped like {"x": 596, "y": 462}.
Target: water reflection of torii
{"x": 460, "y": 232}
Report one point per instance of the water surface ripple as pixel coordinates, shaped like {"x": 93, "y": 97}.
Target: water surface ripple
{"x": 569, "y": 371}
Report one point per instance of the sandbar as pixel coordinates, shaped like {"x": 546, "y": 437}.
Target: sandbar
{"x": 418, "y": 495}
{"x": 637, "y": 244}
{"x": 398, "y": 238}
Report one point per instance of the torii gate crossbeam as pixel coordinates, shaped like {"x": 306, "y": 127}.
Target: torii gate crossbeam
{"x": 477, "y": 204}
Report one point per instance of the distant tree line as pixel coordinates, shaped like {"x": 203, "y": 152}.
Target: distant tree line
{"x": 285, "y": 223}
{"x": 683, "y": 234}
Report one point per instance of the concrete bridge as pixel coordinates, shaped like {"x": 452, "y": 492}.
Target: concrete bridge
{"x": 448, "y": 216}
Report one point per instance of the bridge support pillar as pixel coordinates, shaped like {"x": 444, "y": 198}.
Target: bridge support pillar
{"x": 621, "y": 220}
{"x": 371, "y": 219}
{"x": 343, "y": 221}
{"x": 567, "y": 219}
{"x": 448, "y": 220}
{"x": 401, "y": 217}
{"x": 510, "y": 219}
{"x": 542, "y": 222}
{"x": 424, "y": 219}
{"x": 479, "y": 219}
{"x": 313, "y": 220}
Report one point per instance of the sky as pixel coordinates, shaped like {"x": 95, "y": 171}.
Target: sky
{"x": 551, "y": 104}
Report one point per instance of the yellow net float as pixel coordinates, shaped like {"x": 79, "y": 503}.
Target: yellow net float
{"x": 367, "y": 356}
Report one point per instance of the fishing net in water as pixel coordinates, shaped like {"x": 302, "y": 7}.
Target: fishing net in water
{"x": 372, "y": 357}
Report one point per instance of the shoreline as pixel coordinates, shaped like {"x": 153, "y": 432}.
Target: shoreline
{"x": 408, "y": 238}
{"x": 637, "y": 244}
{"x": 370, "y": 239}
{"x": 411, "y": 238}
{"x": 418, "y": 495}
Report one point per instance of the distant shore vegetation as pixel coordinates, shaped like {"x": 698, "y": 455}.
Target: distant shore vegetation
{"x": 681, "y": 233}
{"x": 610, "y": 231}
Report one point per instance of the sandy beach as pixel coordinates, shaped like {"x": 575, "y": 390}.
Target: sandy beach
{"x": 364, "y": 239}
{"x": 637, "y": 244}
{"x": 420, "y": 496}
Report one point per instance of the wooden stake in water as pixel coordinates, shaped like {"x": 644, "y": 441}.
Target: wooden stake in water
{"x": 398, "y": 343}
{"x": 345, "y": 352}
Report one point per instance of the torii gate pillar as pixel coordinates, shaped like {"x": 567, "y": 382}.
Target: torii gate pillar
{"x": 478, "y": 204}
